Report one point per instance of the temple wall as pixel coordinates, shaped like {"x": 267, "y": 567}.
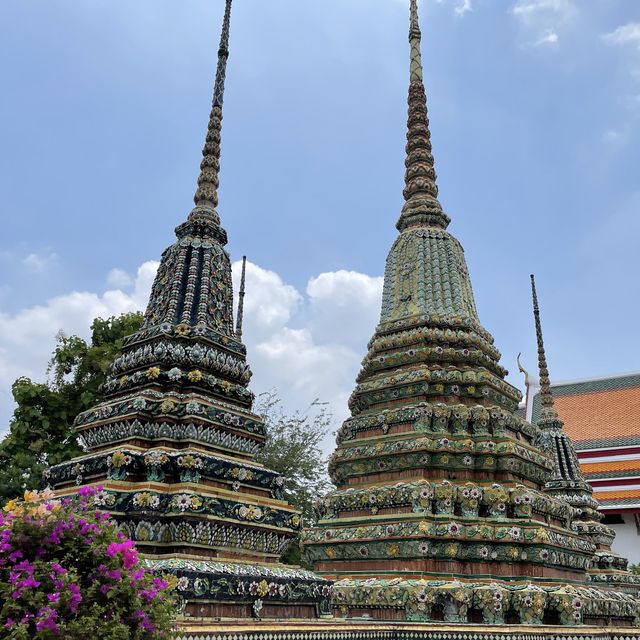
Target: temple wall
{"x": 627, "y": 542}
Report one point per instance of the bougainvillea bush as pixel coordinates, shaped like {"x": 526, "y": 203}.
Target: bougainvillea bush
{"x": 66, "y": 572}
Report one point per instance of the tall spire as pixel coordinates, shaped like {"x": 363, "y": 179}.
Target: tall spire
{"x": 546, "y": 397}
{"x": 421, "y": 191}
{"x": 240, "y": 315}
{"x": 208, "y": 181}
{"x": 553, "y": 439}
{"x": 177, "y": 416}
{"x": 566, "y": 480}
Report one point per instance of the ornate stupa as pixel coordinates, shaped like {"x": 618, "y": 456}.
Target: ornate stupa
{"x": 442, "y": 510}
{"x": 174, "y": 441}
{"x": 567, "y": 482}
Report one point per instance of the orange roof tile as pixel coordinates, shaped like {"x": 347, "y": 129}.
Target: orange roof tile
{"x": 627, "y": 496}
{"x": 615, "y": 465}
{"x": 601, "y": 415}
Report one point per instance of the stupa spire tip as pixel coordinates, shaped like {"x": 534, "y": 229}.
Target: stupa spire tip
{"x": 206, "y": 195}
{"x": 420, "y": 191}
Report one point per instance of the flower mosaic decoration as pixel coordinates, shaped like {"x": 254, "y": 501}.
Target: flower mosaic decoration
{"x": 118, "y": 463}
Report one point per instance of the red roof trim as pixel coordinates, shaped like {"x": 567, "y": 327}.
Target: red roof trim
{"x": 612, "y": 482}
{"x": 601, "y": 453}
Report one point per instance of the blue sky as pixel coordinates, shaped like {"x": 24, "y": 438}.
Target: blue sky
{"x": 535, "y": 112}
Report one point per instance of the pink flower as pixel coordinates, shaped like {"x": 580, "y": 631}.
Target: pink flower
{"x": 148, "y": 594}
{"x": 75, "y": 599}
{"x": 25, "y": 566}
{"x": 129, "y": 559}
{"x": 47, "y": 619}
{"x": 119, "y": 547}
{"x": 159, "y": 583}
{"x": 144, "y": 620}
{"x": 29, "y": 582}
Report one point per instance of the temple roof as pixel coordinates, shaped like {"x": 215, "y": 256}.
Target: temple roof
{"x": 612, "y": 468}
{"x": 619, "y": 498}
{"x": 599, "y": 413}
{"x": 602, "y": 416}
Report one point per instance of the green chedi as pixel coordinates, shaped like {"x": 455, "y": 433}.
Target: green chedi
{"x": 441, "y": 511}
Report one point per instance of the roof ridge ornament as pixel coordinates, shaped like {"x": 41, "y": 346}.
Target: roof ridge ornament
{"x": 422, "y": 207}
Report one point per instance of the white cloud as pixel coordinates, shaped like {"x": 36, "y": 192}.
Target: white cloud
{"x": 529, "y": 10}
{"x": 543, "y": 20}
{"x": 269, "y": 302}
{"x": 307, "y": 346}
{"x": 612, "y": 137}
{"x": 626, "y": 34}
{"x": 40, "y": 262}
{"x": 627, "y": 38}
{"x": 461, "y": 7}
{"x": 27, "y": 338}
{"x": 303, "y": 370}
{"x": 344, "y": 304}
{"x": 551, "y": 37}
{"x": 119, "y": 279}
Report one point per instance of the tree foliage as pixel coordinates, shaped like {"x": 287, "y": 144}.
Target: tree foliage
{"x": 41, "y": 431}
{"x": 294, "y": 449}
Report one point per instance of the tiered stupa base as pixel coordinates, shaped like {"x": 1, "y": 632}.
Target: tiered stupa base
{"x": 225, "y": 590}
{"x": 217, "y": 547}
{"x": 489, "y": 603}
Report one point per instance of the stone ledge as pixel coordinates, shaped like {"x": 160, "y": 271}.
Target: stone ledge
{"x": 366, "y": 630}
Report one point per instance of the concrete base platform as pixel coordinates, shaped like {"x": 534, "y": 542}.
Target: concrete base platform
{"x": 367, "y": 630}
